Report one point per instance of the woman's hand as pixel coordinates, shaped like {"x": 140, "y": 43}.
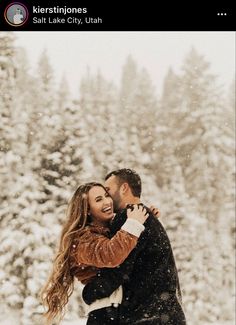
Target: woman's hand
{"x": 137, "y": 212}
{"x": 155, "y": 211}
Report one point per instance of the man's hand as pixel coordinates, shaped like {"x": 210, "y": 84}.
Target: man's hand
{"x": 155, "y": 211}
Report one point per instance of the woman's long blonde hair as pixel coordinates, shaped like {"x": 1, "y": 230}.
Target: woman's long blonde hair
{"x": 60, "y": 285}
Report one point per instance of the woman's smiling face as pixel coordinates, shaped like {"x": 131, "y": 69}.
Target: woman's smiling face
{"x": 100, "y": 205}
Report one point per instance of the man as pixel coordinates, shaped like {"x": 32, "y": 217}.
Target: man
{"x": 148, "y": 276}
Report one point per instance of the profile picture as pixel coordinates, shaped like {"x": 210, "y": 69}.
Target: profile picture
{"x": 16, "y": 14}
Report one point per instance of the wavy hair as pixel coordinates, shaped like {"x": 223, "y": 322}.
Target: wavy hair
{"x": 60, "y": 284}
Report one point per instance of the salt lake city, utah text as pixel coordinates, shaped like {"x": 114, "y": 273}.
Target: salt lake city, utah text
{"x": 65, "y": 15}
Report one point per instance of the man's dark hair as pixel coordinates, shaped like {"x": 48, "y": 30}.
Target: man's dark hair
{"x": 126, "y": 175}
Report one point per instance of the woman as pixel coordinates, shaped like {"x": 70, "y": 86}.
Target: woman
{"x": 85, "y": 246}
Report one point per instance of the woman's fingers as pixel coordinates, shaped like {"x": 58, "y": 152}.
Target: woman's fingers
{"x": 138, "y": 213}
{"x": 141, "y": 207}
{"x": 138, "y": 207}
{"x": 155, "y": 211}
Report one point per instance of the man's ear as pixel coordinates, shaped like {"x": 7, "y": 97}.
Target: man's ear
{"x": 124, "y": 188}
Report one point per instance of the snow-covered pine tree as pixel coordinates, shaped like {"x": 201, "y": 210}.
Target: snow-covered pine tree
{"x": 98, "y": 105}
{"x": 47, "y": 121}
{"x": 179, "y": 212}
{"x": 8, "y": 158}
{"x": 7, "y": 72}
{"x": 23, "y": 249}
{"x": 170, "y": 94}
{"x": 138, "y": 108}
{"x": 63, "y": 97}
{"x": 200, "y": 130}
{"x": 185, "y": 227}
{"x": 145, "y": 105}
{"x": 46, "y": 117}
{"x": 204, "y": 152}
{"x": 22, "y": 233}
{"x": 128, "y": 84}
{"x": 22, "y": 112}
{"x": 136, "y": 120}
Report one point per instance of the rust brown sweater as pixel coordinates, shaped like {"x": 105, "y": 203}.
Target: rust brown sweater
{"x": 93, "y": 249}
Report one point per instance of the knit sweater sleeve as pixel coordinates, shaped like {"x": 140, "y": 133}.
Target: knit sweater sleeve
{"x": 96, "y": 249}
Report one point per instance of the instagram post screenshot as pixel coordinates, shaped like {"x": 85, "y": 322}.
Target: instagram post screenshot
{"x": 117, "y": 163}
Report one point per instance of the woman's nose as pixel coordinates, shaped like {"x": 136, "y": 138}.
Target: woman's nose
{"x": 107, "y": 200}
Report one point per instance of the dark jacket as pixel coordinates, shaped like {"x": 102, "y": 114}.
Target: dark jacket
{"x": 148, "y": 276}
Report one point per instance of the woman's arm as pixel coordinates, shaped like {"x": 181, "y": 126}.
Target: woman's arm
{"x": 97, "y": 250}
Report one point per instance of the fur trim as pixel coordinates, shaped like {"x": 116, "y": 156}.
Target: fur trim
{"x": 133, "y": 227}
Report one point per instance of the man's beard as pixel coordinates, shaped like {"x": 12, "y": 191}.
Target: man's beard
{"x": 116, "y": 202}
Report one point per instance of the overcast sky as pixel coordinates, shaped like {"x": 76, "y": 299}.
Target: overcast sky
{"x": 71, "y": 52}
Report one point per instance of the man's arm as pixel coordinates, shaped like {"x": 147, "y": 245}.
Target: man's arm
{"x": 108, "y": 280}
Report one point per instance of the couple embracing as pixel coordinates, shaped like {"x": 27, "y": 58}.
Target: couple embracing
{"x": 125, "y": 260}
